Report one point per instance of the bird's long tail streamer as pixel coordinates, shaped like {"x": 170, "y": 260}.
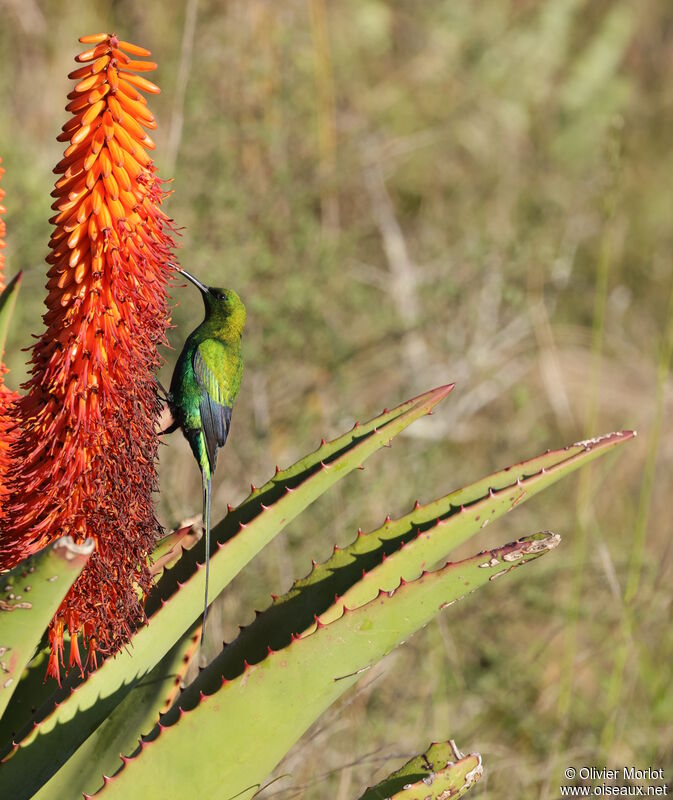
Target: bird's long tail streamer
{"x": 206, "y": 522}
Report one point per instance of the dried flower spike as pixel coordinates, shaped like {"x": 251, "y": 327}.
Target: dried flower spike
{"x": 85, "y": 463}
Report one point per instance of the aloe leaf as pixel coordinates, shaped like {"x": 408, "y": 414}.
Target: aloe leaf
{"x": 31, "y": 594}
{"x": 403, "y": 548}
{"x": 442, "y": 772}
{"x": 241, "y": 729}
{"x": 169, "y": 549}
{"x": 31, "y": 691}
{"x": 7, "y": 303}
{"x": 121, "y": 731}
{"x": 268, "y": 509}
{"x": 44, "y": 746}
{"x": 289, "y": 478}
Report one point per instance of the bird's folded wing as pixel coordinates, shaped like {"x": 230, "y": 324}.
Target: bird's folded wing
{"x": 215, "y": 405}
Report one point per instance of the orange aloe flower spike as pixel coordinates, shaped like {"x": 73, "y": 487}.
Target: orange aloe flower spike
{"x": 85, "y": 463}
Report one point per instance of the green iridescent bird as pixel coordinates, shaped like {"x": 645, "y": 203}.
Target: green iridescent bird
{"x": 205, "y": 384}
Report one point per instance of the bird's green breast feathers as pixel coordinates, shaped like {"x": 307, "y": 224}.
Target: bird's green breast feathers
{"x": 220, "y": 367}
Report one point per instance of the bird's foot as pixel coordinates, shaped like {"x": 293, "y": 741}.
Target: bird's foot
{"x": 167, "y": 421}
{"x": 162, "y": 393}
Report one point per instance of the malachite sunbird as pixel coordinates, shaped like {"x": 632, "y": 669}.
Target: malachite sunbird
{"x": 205, "y": 384}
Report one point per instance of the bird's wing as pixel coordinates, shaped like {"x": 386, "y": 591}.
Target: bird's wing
{"x": 216, "y": 398}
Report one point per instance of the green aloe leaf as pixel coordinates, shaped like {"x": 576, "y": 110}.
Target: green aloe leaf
{"x": 31, "y": 594}
{"x": 269, "y": 508}
{"x": 241, "y": 729}
{"x": 7, "y": 303}
{"x": 170, "y": 548}
{"x": 177, "y": 601}
{"x": 122, "y": 730}
{"x": 442, "y": 772}
{"x": 31, "y": 691}
{"x": 403, "y": 548}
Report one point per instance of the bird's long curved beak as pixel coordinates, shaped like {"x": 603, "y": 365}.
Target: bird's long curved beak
{"x": 191, "y": 278}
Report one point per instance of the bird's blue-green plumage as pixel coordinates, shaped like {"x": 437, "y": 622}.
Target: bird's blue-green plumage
{"x": 205, "y": 385}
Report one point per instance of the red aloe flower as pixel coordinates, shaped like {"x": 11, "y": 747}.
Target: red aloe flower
{"x": 7, "y": 397}
{"x": 85, "y": 463}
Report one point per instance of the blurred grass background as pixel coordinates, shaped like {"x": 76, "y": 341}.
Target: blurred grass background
{"x": 407, "y": 193}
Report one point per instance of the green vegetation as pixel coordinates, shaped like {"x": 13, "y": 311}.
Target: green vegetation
{"x": 440, "y": 773}
{"x": 246, "y": 709}
{"x": 406, "y": 194}
{"x": 31, "y": 593}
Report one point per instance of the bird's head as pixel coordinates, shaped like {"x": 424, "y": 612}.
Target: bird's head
{"x": 222, "y": 305}
{"x": 225, "y": 305}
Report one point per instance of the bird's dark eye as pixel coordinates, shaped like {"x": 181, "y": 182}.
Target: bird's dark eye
{"x": 221, "y": 296}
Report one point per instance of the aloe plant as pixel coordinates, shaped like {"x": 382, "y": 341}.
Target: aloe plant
{"x": 442, "y": 772}
{"x": 245, "y": 710}
{"x": 112, "y": 731}
{"x": 244, "y": 725}
{"x": 31, "y": 593}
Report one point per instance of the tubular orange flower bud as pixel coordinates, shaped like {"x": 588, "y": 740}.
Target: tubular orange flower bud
{"x": 85, "y": 462}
